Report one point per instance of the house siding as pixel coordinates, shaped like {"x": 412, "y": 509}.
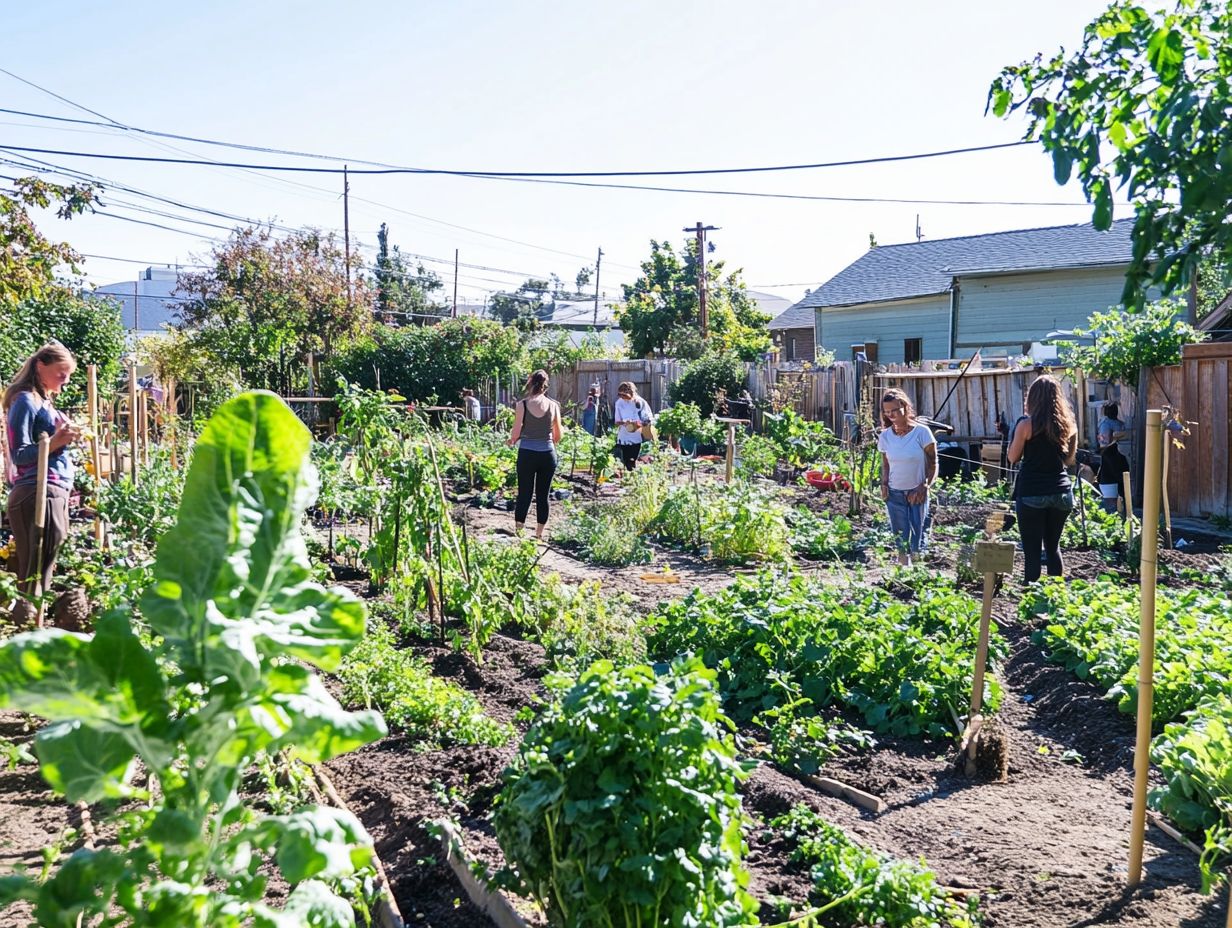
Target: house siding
{"x": 1012, "y": 310}
{"x": 889, "y": 325}
{"x": 802, "y": 341}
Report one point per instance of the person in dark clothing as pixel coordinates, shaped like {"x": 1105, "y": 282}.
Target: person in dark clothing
{"x": 30, "y": 414}
{"x": 1113, "y": 464}
{"x": 536, "y": 431}
{"x": 1045, "y": 442}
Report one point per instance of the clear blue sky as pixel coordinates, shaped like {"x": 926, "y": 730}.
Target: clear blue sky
{"x": 545, "y": 85}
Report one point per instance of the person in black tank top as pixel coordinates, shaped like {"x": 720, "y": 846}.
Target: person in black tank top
{"x": 535, "y": 434}
{"x": 1045, "y": 442}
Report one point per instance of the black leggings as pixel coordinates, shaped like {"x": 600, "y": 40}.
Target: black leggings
{"x": 1041, "y": 526}
{"x": 629, "y": 453}
{"x": 535, "y": 472}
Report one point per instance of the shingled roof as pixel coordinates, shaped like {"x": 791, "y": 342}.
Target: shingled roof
{"x": 900, "y": 272}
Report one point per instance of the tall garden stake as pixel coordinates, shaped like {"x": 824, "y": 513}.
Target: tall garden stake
{"x": 34, "y": 575}
{"x": 1149, "y": 548}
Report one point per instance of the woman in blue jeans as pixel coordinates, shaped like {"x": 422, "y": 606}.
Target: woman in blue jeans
{"x": 1045, "y": 441}
{"x": 908, "y": 469}
{"x": 536, "y": 432}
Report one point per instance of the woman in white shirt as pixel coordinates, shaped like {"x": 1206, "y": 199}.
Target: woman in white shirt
{"x": 632, "y": 412}
{"x": 908, "y": 469}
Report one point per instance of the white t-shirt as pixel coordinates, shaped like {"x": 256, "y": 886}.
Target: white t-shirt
{"x": 906, "y": 455}
{"x": 471, "y": 404}
{"x": 638, "y": 411}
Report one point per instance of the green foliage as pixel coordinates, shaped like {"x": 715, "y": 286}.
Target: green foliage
{"x": 89, "y": 328}
{"x": 403, "y": 291}
{"x": 738, "y": 523}
{"x": 143, "y": 511}
{"x": 757, "y": 457}
{"x": 604, "y": 533}
{"x": 683, "y": 420}
{"x": 855, "y": 885}
{"x": 554, "y": 350}
{"x": 580, "y": 624}
{"x": 1141, "y": 106}
{"x": 28, "y": 261}
{"x": 660, "y": 316}
{"x": 1195, "y": 757}
{"x": 430, "y": 711}
{"x": 266, "y": 302}
{"x": 1124, "y": 343}
{"x": 975, "y": 492}
{"x": 621, "y": 807}
{"x": 422, "y": 362}
{"x": 800, "y": 442}
{"x": 237, "y": 622}
{"x": 181, "y": 356}
{"x": 817, "y": 537}
{"x": 801, "y": 740}
{"x": 703, "y": 378}
{"x": 776, "y": 637}
{"x": 1097, "y": 528}
{"x": 1092, "y": 629}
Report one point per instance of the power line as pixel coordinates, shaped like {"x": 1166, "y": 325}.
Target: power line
{"x": 455, "y": 172}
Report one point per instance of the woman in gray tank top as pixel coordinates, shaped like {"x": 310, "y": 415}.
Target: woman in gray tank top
{"x": 536, "y": 430}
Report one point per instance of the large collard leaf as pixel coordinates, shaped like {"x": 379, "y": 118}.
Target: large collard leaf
{"x": 84, "y": 763}
{"x": 234, "y": 571}
{"x": 318, "y": 842}
{"x": 84, "y": 884}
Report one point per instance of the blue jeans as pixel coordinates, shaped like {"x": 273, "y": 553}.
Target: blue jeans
{"x": 909, "y": 522}
{"x": 588, "y": 420}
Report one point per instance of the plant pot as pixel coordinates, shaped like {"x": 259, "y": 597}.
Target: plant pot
{"x": 688, "y": 445}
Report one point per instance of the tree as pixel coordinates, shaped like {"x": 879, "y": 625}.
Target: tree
{"x": 660, "y": 315}
{"x": 403, "y": 293}
{"x": 522, "y": 307}
{"x": 1123, "y": 344}
{"x": 1142, "y": 106}
{"x": 28, "y": 261}
{"x": 701, "y": 380}
{"x": 266, "y": 302}
{"x": 435, "y": 361}
{"x": 583, "y": 279}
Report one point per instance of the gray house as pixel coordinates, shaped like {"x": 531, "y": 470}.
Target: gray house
{"x": 946, "y": 298}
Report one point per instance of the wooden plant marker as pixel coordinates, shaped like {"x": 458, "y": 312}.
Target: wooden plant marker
{"x": 991, "y": 558}
{"x": 1152, "y": 457}
{"x": 35, "y": 570}
{"x": 841, "y": 790}
{"x": 731, "y": 442}
{"x": 95, "y": 458}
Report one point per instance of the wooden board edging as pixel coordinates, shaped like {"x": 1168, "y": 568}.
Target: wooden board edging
{"x": 492, "y": 903}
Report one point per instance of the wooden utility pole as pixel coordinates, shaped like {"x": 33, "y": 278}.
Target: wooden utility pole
{"x": 703, "y": 317}
{"x": 455, "y": 283}
{"x": 346, "y": 231}
{"x": 598, "y": 261}
{"x": 95, "y": 459}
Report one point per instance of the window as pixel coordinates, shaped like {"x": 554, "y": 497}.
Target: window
{"x": 913, "y": 350}
{"x": 791, "y": 349}
{"x": 870, "y": 352}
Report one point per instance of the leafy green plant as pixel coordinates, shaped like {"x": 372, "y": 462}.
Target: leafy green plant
{"x": 1124, "y": 343}
{"x": 855, "y": 885}
{"x": 799, "y": 441}
{"x": 142, "y": 511}
{"x": 702, "y": 379}
{"x": 802, "y": 740}
{"x": 975, "y": 492}
{"x": 757, "y": 457}
{"x": 816, "y": 537}
{"x": 376, "y": 675}
{"x": 236, "y": 621}
{"x": 1091, "y": 526}
{"x": 683, "y": 420}
{"x": 621, "y": 807}
{"x": 1195, "y": 757}
{"x": 604, "y": 534}
{"x": 904, "y": 667}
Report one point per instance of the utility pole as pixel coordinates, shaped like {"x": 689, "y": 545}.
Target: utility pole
{"x": 703, "y": 317}
{"x": 136, "y": 307}
{"x": 598, "y": 261}
{"x": 455, "y": 283}
{"x": 346, "y": 231}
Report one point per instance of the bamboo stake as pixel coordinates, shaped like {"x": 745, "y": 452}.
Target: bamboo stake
{"x": 34, "y": 572}
{"x": 1229, "y": 925}
{"x": 95, "y": 457}
{"x": 731, "y": 451}
{"x": 1146, "y": 647}
{"x": 1167, "y": 443}
{"x": 132, "y": 420}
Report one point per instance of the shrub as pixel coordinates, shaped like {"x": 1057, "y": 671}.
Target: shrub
{"x": 702, "y": 379}
{"x": 621, "y": 808}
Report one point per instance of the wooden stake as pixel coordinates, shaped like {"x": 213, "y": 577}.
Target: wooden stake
{"x": 132, "y": 420}
{"x": 34, "y": 573}
{"x": 95, "y": 457}
{"x": 1152, "y": 458}
{"x": 1167, "y": 443}
{"x": 731, "y": 450}
{"x": 841, "y": 790}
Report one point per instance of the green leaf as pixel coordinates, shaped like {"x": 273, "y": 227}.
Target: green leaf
{"x": 85, "y": 883}
{"x": 314, "y": 904}
{"x": 84, "y": 763}
{"x": 14, "y": 888}
{"x": 315, "y": 842}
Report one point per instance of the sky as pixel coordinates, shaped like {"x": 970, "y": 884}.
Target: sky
{"x": 539, "y": 85}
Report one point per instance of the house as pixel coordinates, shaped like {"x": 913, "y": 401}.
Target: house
{"x": 148, "y": 304}
{"x": 793, "y": 331}
{"x": 949, "y": 297}
{"x": 580, "y": 317}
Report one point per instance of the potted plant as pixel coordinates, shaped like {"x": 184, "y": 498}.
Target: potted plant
{"x": 679, "y": 425}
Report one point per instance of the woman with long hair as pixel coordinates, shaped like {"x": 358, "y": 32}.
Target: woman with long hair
{"x": 1045, "y": 441}
{"x": 908, "y": 469}
{"x": 632, "y": 413}
{"x": 30, "y": 414}
{"x": 536, "y": 432}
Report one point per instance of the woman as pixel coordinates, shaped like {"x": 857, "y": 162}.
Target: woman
{"x": 1112, "y": 463}
{"x": 30, "y": 414}
{"x": 632, "y": 413}
{"x": 590, "y": 410}
{"x": 536, "y": 431}
{"x": 908, "y": 469}
{"x": 1045, "y": 441}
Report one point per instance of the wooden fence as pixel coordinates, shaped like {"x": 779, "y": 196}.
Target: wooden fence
{"x": 1196, "y": 390}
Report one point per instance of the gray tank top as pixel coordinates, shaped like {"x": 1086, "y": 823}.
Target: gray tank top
{"x": 536, "y": 430}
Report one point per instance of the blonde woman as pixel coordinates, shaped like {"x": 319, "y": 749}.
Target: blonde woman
{"x": 536, "y": 432}
{"x": 908, "y": 469}
{"x": 632, "y": 412}
{"x": 1045, "y": 441}
{"x": 30, "y": 414}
